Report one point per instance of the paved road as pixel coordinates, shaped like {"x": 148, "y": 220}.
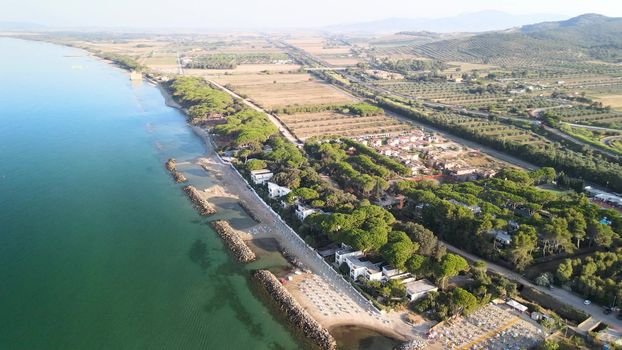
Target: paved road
{"x": 579, "y": 142}
{"x": 592, "y": 127}
{"x": 288, "y": 135}
{"x": 559, "y": 294}
{"x": 609, "y": 139}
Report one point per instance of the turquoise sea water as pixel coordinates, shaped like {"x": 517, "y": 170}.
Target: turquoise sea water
{"x": 99, "y": 249}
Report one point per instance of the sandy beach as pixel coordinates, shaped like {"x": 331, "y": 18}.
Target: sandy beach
{"x": 321, "y": 290}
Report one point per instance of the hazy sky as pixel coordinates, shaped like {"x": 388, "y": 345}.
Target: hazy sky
{"x": 272, "y": 13}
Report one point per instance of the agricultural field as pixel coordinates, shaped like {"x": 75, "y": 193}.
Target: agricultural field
{"x": 471, "y": 96}
{"x": 487, "y": 128}
{"x": 334, "y": 52}
{"x": 306, "y": 125}
{"x": 604, "y": 117}
{"x": 277, "y": 90}
{"x": 615, "y": 101}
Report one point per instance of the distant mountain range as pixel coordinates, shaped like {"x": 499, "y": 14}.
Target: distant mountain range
{"x": 586, "y": 36}
{"x": 19, "y": 26}
{"x": 468, "y": 22}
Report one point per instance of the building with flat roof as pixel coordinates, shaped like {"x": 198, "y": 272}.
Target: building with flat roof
{"x": 276, "y": 191}
{"x": 261, "y": 176}
{"x": 418, "y": 289}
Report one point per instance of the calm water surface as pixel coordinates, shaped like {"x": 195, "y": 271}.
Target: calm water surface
{"x": 99, "y": 249}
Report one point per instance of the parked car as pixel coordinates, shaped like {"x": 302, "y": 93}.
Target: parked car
{"x": 607, "y": 310}
{"x": 587, "y": 302}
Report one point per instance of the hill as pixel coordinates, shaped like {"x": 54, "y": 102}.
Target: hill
{"x": 587, "y": 36}
{"x": 468, "y": 22}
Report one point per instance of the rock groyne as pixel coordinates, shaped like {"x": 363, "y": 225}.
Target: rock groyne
{"x": 237, "y": 246}
{"x": 205, "y": 207}
{"x": 170, "y": 164}
{"x": 172, "y": 167}
{"x": 297, "y": 316}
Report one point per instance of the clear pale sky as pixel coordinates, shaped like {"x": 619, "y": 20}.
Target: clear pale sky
{"x": 272, "y": 13}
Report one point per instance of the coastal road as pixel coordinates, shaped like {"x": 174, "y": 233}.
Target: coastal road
{"x": 561, "y": 295}
{"x": 282, "y": 128}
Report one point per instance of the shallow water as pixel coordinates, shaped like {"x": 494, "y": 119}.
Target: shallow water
{"x": 99, "y": 249}
{"x": 359, "y": 338}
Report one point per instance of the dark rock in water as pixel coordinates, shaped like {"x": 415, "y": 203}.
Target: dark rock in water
{"x": 179, "y": 177}
{"x": 170, "y": 164}
{"x": 205, "y": 207}
{"x": 295, "y": 314}
{"x": 237, "y": 246}
{"x": 172, "y": 167}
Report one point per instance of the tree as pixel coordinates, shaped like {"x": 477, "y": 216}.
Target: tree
{"x": 601, "y": 234}
{"x": 516, "y": 175}
{"x": 556, "y": 236}
{"x": 564, "y": 271}
{"x": 462, "y": 301}
{"x": 576, "y": 225}
{"x": 545, "y": 279}
{"x": 425, "y": 238}
{"x": 289, "y": 178}
{"x": 524, "y": 242}
{"x": 419, "y": 265}
{"x": 449, "y": 266}
{"x": 255, "y": 164}
{"x": 398, "y": 249}
{"x": 306, "y": 194}
{"x": 440, "y": 251}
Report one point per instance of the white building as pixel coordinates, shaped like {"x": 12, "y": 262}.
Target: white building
{"x": 303, "y": 211}
{"x": 418, "y": 289}
{"x": 367, "y": 269}
{"x": 276, "y": 191}
{"x": 346, "y": 252}
{"x": 261, "y": 176}
{"x": 502, "y": 237}
{"x": 389, "y": 272}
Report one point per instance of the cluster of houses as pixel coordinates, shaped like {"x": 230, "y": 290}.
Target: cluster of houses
{"x": 359, "y": 267}
{"x": 263, "y": 176}
{"x": 427, "y": 153}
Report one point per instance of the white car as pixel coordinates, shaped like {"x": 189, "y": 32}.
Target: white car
{"x": 587, "y": 302}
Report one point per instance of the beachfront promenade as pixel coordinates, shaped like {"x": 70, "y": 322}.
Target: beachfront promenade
{"x": 289, "y": 240}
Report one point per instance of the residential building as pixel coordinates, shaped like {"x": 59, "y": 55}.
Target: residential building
{"x": 367, "y": 269}
{"x": 276, "y": 191}
{"x": 501, "y": 236}
{"x": 345, "y": 252}
{"x": 418, "y": 289}
{"x": 261, "y": 176}
{"x": 302, "y": 211}
{"x": 389, "y": 272}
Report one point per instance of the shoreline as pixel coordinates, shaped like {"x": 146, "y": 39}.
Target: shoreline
{"x": 233, "y": 185}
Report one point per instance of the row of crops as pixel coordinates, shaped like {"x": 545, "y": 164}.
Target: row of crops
{"x": 307, "y": 125}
